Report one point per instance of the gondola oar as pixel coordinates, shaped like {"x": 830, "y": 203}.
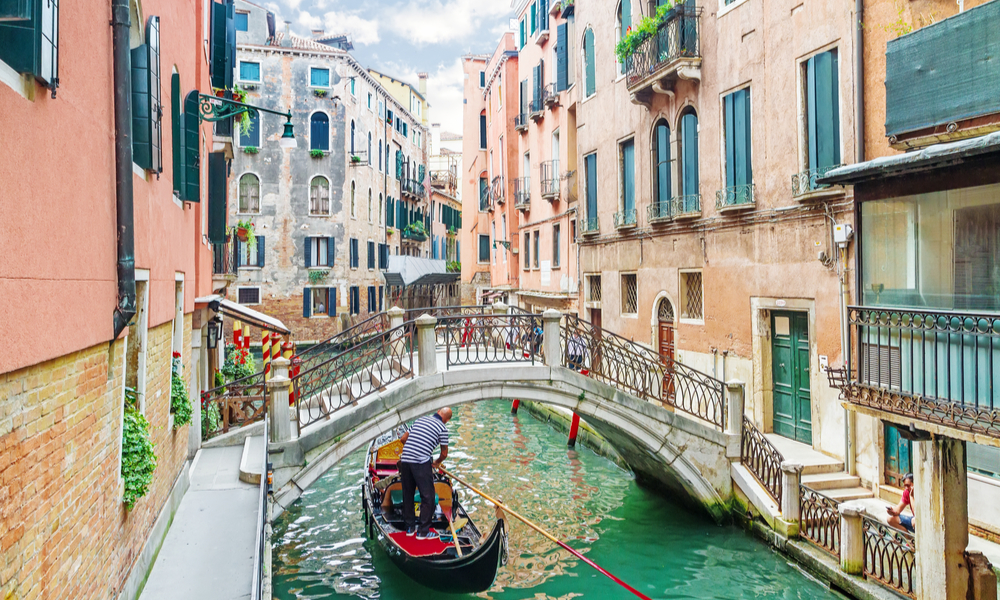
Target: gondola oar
{"x": 547, "y": 535}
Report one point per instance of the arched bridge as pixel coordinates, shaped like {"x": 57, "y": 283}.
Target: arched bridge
{"x": 669, "y": 422}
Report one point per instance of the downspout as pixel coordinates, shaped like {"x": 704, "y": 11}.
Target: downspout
{"x": 121, "y": 63}
{"x": 859, "y": 81}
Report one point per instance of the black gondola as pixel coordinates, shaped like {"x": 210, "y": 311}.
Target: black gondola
{"x": 433, "y": 563}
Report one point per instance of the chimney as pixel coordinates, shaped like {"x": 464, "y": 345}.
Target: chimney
{"x": 422, "y": 85}
{"x": 317, "y": 33}
{"x": 286, "y": 40}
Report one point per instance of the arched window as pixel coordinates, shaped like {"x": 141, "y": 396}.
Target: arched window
{"x": 319, "y": 196}
{"x": 319, "y": 132}
{"x": 352, "y": 138}
{"x": 249, "y": 193}
{"x": 353, "y": 206}
{"x": 665, "y": 311}
{"x": 369, "y": 155}
{"x": 687, "y": 152}
{"x": 482, "y": 130}
{"x": 380, "y": 156}
{"x": 661, "y": 169}
{"x": 589, "y": 71}
{"x": 369, "y": 205}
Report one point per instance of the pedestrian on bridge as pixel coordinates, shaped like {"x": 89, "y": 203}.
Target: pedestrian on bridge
{"x": 417, "y": 471}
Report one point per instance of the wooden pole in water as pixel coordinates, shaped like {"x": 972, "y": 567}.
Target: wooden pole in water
{"x": 574, "y": 428}
{"x": 548, "y": 535}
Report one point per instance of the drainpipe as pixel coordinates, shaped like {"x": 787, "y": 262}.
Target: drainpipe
{"x": 125, "y": 309}
{"x": 859, "y": 81}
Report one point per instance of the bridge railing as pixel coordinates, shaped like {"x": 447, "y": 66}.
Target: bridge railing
{"x": 762, "y": 459}
{"x": 485, "y": 338}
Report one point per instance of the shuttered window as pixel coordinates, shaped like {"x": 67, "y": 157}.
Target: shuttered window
{"x": 251, "y": 135}
{"x": 383, "y": 256}
{"x": 371, "y": 254}
{"x": 522, "y": 38}
{"x": 319, "y": 252}
{"x": 250, "y": 257}
{"x": 191, "y": 150}
{"x": 736, "y": 107}
{"x": 29, "y": 42}
{"x": 175, "y": 128}
{"x": 217, "y": 207}
{"x": 543, "y": 15}
{"x": 625, "y": 16}
{"x": 355, "y": 259}
{"x": 628, "y": 177}
{"x": 661, "y": 162}
{"x": 822, "y": 110}
{"x": 482, "y": 131}
{"x": 562, "y": 57}
{"x": 355, "y": 300}
{"x": 146, "y": 109}
{"x": 372, "y": 298}
{"x": 319, "y": 301}
{"x": 484, "y": 248}
{"x": 249, "y": 71}
{"x": 590, "y": 164}
{"x": 589, "y": 67}
{"x": 223, "y": 45}
{"x": 242, "y": 21}
{"x": 319, "y": 132}
{"x": 532, "y": 11}
{"x": 688, "y": 153}
{"x": 320, "y": 78}
{"x": 527, "y": 251}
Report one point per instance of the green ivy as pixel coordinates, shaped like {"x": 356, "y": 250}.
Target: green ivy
{"x": 641, "y": 31}
{"x": 317, "y": 276}
{"x": 138, "y": 457}
{"x": 454, "y": 266}
{"x": 180, "y": 403}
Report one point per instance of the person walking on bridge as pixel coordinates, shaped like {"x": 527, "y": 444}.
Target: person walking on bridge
{"x": 417, "y": 471}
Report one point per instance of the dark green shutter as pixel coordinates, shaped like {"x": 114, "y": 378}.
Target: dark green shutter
{"x": 482, "y": 132}
{"x": 534, "y": 18}
{"x": 562, "y": 57}
{"x": 626, "y": 16}
{"x": 217, "y": 210}
{"x": 628, "y": 176}
{"x": 141, "y": 127}
{"x": 223, "y": 44}
{"x": 399, "y": 164}
{"x": 331, "y": 302}
{"x": 591, "y": 166}
{"x": 588, "y": 50}
{"x": 689, "y": 154}
{"x": 29, "y": 41}
{"x": 727, "y": 106}
{"x": 662, "y": 158}
{"x": 522, "y": 35}
{"x": 155, "y": 100}
{"x": 175, "y": 130}
{"x": 260, "y": 250}
{"x": 307, "y": 302}
{"x": 822, "y": 110}
{"x": 331, "y": 252}
{"x": 308, "y": 251}
{"x": 191, "y": 149}
{"x": 543, "y": 15}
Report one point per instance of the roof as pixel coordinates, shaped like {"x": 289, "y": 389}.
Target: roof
{"x": 395, "y": 79}
{"x": 450, "y": 137}
{"x": 931, "y": 157}
{"x": 243, "y": 313}
{"x": 301, "y": 43}
{"x": 412, "y": 270}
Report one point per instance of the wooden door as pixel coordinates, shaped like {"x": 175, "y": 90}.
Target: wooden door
{"x": 897, "y": 456}
{"x": 665, "y": 346}
{"x": 595, "y": 351}
{"x": 790, "y": 370}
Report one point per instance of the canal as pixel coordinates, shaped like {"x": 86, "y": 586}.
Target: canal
{"x": 662, "y": 549}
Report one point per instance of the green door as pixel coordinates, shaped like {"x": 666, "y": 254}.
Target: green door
{"x": 790, "y": 364}
{"x": 897, "y": 456}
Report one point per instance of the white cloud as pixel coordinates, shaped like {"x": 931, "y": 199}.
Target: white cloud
{"x": 424, "y": 22}
{"x": 309, "y": 21}
{"x": 445, "y": 90}
{"x": 361, "y": 30}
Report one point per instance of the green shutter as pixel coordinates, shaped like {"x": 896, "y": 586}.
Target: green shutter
{"x": 175, "y": 130}
{"x": 822, "y": 110}
{"x": 562, "y": 57}
{"x": 522, "y": 35}
{"x": 628, "y": 176}
{"x": 191, "y": 149}
{"x": 155, "y": 100}
{"x": 689, "y": 154}
{"x": 543, "y": 15}
{"x": 626, "y": 16}
{"x": 534, "y": 18}
{"x": 217, "y": 210}
{"x": 591, "y": 165}
{"x": 141, "y": 127}
{"x": 588, "y": 49}
{"x": 307, "y": 302}
{"x": 662, "y": 162}
{"x": 29, "y": 42}
{"x": 223, "y": 44}
{"x": 727, "y": 106}
{"x": 741, "y": 129}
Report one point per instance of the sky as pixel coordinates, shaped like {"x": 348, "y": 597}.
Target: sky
{"x": 404, "y": 37}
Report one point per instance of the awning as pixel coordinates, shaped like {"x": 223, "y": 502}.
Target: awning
{"x": 931, "y": 157}
{"x": 243, "y": 313}
{"x": 405, "y": 271}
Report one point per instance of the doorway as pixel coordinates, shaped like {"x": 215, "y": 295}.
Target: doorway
{"x": 665, "y": 342}
{"x": 790, "y": 373}
{"x": 898, "y": 451}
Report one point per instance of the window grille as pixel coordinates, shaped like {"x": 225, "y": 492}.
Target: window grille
{"x": 249, "y": 295}
{"x": 593, "y": 288}
{"x": 630, "y": 294}
{"x": 665, "y": 311}
{"x": 693, "y": 301}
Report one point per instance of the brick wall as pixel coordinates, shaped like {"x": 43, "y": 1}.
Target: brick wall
{"x": 64, "y": 533}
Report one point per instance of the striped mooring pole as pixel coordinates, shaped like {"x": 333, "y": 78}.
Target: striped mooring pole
{"x": 573, "y": 429}
{"x": 265, "y": 353}
{"x": 287, "y": 352}
{"x": 514, "y": 406}
{"x": 237, "y": 332}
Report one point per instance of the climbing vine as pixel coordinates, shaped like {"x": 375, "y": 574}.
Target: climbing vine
{"x": 180, "y": 403}
{"x": 641, "y": 31}
{"x": 138, "y": 456}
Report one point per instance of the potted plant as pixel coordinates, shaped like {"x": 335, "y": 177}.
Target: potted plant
{"x": 316, "y": 277}
{"x": 250, "y": 149}
{"x": 240, "y": 94}
{"x": 642, "y": 31}
{"x": 451, "y": 230}
{"x": 245, "y": 233}
{"x": 355, "y": 158}
{"x": 316, "y": 153}
{"x": 320, "y": 93}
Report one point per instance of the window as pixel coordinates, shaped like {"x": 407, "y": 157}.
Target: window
{"x": 538, "y": 240}
{"x": 555, "y": 245}
{"x": 484, "y": 193}
{"x": 371, "y": 255}
{"x": 630, "y": 294}
{"x": 353, "y": 131}
{"x": 353, "y": 88}
{"x": 320, "y": 252}
{"x": 248, "y": 295}
{"x": 251, "y": 137}
{"x": 821, "y": 92}
{"x": 369, "y": 101}
{"x": 482, "y": 79}
{"x": 593, "y": 288}
{"x": 482, "y": 130}
{"x": 354, "y": 253}
{"x": 319, "y": 196}
{"x": 484, "y": 248}
{"x": 319, "y": 132}
{"x": 590, "y": 166}
{"x": 527, "y": 251}
{"x": 250, "y": 257}
{"x": 624, "y": 24}
{"x": 318, "y": 302}
{"x": 383, "y": 256}
{"x": 242, "y": 21}
{"x": 355, "y": 300}
{"x": 249, "y": 71}
{"x": 533, "y": 18}
{"x": 688, "y": 153}
{"x": 147, "y": 136}
{"x": 736, "y": 115}
{"x": 354, "y": 212}
{"x": 372, "y": 299}
{"x": 563, "y": 72}
{"x": 249, "y": 194}
{"x": 31, "y": 46}
{"x": 691, "y": 296}
{"x": 589, "y": 68}
{"x": 368, "y": 157}
{"x": 381, "y": 295}
{"x": 521, "y": 37}
{"x": 572, "y": 231}
{"x": 380, "y": 156}
{"x": 661, "y": 168}
{"x": 627, "y": 177}
{"x": 380, "y": 205}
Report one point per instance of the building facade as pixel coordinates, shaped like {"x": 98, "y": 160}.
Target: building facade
{"x": 328, "y": 213}
{"x": 414, "y": 99}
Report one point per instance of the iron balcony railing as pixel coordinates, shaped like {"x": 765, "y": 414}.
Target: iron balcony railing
{"x": 676, "y": 38}
{"x": 550, "y": 179}
{"x": 223, "y": 259}
{"x": 498, "y": 190}
{"x": 521, "y": 122}
{"x": 936, "y": 366}
{"x": 591, "y": 225}
{"x": 737, "y": 196}
{"x": 805, "y": 182}
{"x": 485, "y": 199}
{"x": 550, "y": 95}
{"x": 522, "y": 192}
{"x": 626, "y": 218}
{"x": 536, "y": 108}
{"x": 413, "y": 187}
{"x": 659, "y": 211}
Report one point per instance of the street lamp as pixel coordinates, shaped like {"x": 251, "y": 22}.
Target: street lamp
{"x": 214, "y": 109}
{"x": 213, "y": 335}
{"x": 288, "y": 137}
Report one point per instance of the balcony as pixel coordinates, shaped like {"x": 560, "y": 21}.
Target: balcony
{"x": 550, "y": 180}
{"x": 485, "y": 200}
{"x": 590, "y": 226}
{"x": 734, "y": 198}
{"x": 522, "y": 193}
{"x": 536, "y": 109}
{"x": 626, "y": 219}
{"x": 805, "y": 188}
{"x": 938, "y": 80}
{"x": 672, "y": 53}
{"x": 550, "y": 95}
{"x": 445, "y": 180}
{"x": 412, "y": 188}
{"x": 223, "y": 263}
{"x": 521, "y": 122}
{"x": 675, "y": 209}
{"x": 934, "y": 366}
{"x": 497, "y": 189}
{"x": 415, "y": 232}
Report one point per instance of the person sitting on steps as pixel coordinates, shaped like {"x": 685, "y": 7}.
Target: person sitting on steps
{"x": 896, "y": 517}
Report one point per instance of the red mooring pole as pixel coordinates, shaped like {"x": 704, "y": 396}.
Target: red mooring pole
{"x": 573, "y": 430}
{"x": 513, "y": 407}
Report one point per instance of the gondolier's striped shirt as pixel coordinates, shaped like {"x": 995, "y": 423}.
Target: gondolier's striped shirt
{"x": 425, "y": 435}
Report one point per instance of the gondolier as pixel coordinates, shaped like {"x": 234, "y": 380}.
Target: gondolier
{"x": 417, "y": 471}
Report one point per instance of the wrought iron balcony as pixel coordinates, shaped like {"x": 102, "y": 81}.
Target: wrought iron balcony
{"x": 223, "y": 260}
{"x": 414, "y": 233}
{"x": 550, "y": 179}
{"x": 804, "y": 186}
{"x": 673, "y": 52}
{"x": 687, "y": 207}
{"x": 522, "y": 193}
{"x": 412, "y": 187}
{"x": 499, "y": 195}
{"x": 736, "y": 197}
{"x": 444, "y": 179}
{"x": 536, "y": 109}
{"x": 935, "y": 366}
{"x": 660, "y": 212}
{"x": 626, "y": 218}
{"x": 591, "y": 226}
{"x": 521, "y": 122}
{"x": 485, "y": 199}
{"x": 550, "y": 95}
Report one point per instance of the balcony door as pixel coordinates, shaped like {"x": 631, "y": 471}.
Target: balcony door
{"x": 898, "y": 451}
{"x": 790, "y": 368}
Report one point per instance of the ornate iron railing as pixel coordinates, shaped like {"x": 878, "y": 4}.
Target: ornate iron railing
{"x": 941, "y": 367}
{"x": 521, "y": 122}
{"x": 235, "y": 404}
{"x": 536, "y": 108}
{"x": 677, "y": 37}
{"x": 484, "y": 339}
{"x": 522, "y": 192}
{"x": 363, "y": 369}
{"x": 550, "y": 95}
{"x": 639, "y": 371}
{"x": 735, "y": 196}
{"x": 485, "y": 199}
{"x": 805, "y": 182}
{"x": 762, "y": 459}
{"x": 819, "y": 520}
{"x": 498, "y": 190}
{"x": 591, "y": 225}
{"x": 625, "y": 218}
{"x": 889, "y": 556}
{"x": 223, "y": 260}
{"x": 335, "y": 344}
{"x": 413, "y": 187}
{"x": 686, "y": 206}
{"x": 659, "y": 211}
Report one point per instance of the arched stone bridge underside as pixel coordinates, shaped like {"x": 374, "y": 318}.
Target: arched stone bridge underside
{"x": 686, "y": 457}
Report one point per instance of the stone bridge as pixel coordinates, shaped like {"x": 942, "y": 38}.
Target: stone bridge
{"x": 667, "y": 421}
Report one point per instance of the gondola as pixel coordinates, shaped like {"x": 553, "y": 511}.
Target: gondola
{"x": 432, "y": 563}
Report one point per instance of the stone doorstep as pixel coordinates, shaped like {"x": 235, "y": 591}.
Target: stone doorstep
{"x": 251, "y": 462}
{"x": 829, "y": 481}
{"x": 813, "y": 462}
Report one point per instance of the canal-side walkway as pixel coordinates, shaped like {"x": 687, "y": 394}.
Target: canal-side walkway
{"x": 208, "y": 552}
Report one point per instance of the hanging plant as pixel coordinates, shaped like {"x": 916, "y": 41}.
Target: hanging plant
{"x": 317, "y": 153}
{"x": 641, "y": 31}
{"x": 317, "y": 276}
{"x": 320, "y": 93}
{"x": 245, "y": 233}
{"x": 138, "y": 457}
{"x": 180, "y": 403}
{"x": 250, "y": 149}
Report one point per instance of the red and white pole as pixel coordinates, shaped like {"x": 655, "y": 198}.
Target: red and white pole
{"x": 265, "y": 353}
{"x": 513, "y": 407}
{"x": 237, "y": 332}
{"x": 573, "y": 429}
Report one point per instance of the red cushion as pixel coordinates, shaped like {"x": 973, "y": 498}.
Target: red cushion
{"x": 415, "y": 547}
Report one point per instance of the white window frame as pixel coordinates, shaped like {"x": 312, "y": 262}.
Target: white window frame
{"x": 315, "y": 243}
{"x": 238, "y": 180}
{"x": 248, "y": 287}
{"x": 328, "y": 77}
{"x": 681, "y": 308}
{"x": 239, "y": 72}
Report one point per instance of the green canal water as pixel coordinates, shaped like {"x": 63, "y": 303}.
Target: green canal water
{"x": 657, "y": 546}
